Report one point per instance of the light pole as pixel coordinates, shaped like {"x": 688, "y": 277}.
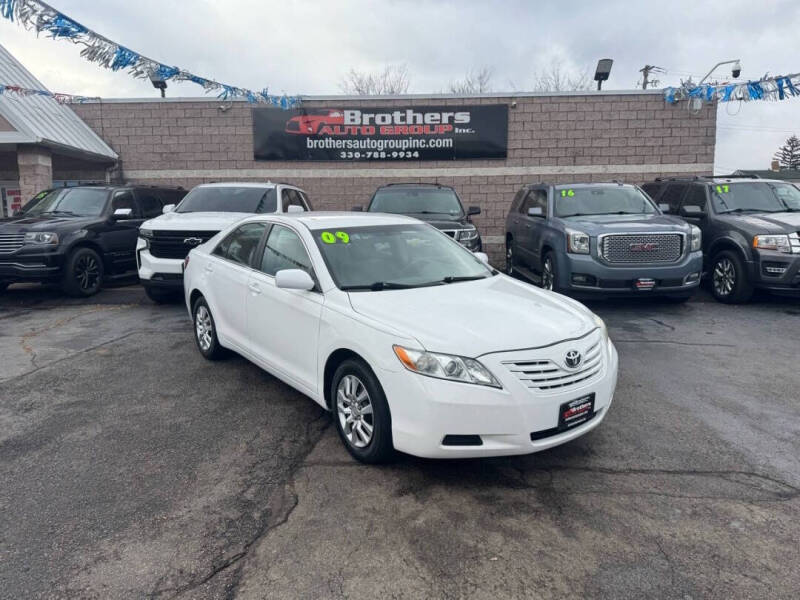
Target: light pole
{"x": 736, "y": 70}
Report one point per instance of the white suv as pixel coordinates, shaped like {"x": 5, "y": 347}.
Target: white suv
{"x": 166, "y": 240}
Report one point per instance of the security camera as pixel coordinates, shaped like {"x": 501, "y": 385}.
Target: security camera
{"x": 737, "y": 70}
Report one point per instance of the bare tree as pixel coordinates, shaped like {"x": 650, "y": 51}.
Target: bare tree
{"x": 556, "y": 79}
{"x": 476, "y": 81}
{"x": 393, "y": 79}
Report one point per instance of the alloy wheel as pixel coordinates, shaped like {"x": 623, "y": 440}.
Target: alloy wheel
{"x": 354, "y": 409}
{"x": 724, "y": 277}
{"x": 204, "y": 328}
{"x": 509, "y": 259}
{"x": 87, "y": 272}
{"x": 547, "y": 274}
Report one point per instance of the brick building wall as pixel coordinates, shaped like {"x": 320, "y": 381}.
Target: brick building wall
{"x": 564, "y": 138}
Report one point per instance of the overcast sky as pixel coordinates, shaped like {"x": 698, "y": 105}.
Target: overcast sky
{"x": 306, "y": 47}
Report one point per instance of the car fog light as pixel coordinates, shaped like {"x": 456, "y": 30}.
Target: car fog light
{"x": 691, "y": 278}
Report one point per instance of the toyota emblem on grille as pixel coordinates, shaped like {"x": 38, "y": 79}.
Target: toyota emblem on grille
{"x": 644, "y": 247}
{"x": 193, "y": 241}
{"x": 573, "y": 359}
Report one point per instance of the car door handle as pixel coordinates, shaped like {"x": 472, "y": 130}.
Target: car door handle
{"x": 254, "y": 288}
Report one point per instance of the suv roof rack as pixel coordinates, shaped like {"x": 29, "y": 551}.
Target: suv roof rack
{"x": 707, "y": 177}
{"x": 436, "y": 184}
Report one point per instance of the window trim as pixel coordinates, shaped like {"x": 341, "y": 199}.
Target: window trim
{"x": 137, "y": 213}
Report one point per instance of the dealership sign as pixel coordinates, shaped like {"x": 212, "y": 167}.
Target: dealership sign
{"x": 359, "y": 134}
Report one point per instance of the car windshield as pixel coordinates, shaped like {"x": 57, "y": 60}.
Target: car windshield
{"x": 601, "y": 200}
{"x": 410, "y": 201}
{"x": 229, "y": 199}
{"x": 74, "y": 202}
{"x": 755, "y": 197}
{"x": 396, "y": 256}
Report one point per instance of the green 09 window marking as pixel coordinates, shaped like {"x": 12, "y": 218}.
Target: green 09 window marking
{"x": 331, "y": 238}
{"x": 723, "y": 189}
{"x": 566, "y": 193}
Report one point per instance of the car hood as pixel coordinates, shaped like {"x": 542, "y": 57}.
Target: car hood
{"x": 194, "y": 221}
{"x": 442, "y": 222}
{"x": 600, "y": 224}
{"x": 473, "y": 318}
{"x": 784, "y": 222}
{"x": 56, "y": 223}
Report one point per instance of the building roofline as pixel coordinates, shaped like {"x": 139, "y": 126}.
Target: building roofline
{"x": 350, "y": 98}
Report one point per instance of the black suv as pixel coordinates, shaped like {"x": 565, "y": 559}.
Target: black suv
{"x": 78, "y": 236}
{"x": 750, "y": 231}
{"x": 436, "y": 204}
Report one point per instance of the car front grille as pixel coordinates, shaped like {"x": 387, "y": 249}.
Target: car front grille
{"x": 11, "y": 242}
{"x": 641, "y": 248}
{"x": 176, "y": 244}
{"x": 544, "y": 374}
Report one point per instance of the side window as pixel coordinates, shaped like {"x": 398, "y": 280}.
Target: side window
{"x": 291, "y": 198}
{"x": 269, "y": 202}
{"x": 672, "y": 196}
{"x": 284, "y": 250}
{"x": 241, "y": 244}
{"x": 125, "y": 199}
{"x": 172, "y": 196}
{"x": 696, "y": 196}
{"x": 652, "y": 190}
{"x": 524, "y": 203}
{"x": 150, "y": 202}
{"x": 305, "y": 201}
{"x": 515, "y": 203}
{"x": 535, "y": 199}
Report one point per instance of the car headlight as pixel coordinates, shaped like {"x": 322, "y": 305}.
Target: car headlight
{"x": 146, "y": 235}
{"x": 696, "y": 238}
{"x": 41, "y": 237}
{"x": 468, "y": 234}
{"x": 577, "y": 242}
{"x": 772, "y": 242}
{"x": 445, "y": 366}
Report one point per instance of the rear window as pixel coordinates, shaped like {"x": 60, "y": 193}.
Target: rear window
{"x": 229, "y": 199}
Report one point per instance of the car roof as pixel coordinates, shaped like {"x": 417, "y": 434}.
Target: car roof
{"x": 244, "y": 184}
{"x": 326, "y": 219}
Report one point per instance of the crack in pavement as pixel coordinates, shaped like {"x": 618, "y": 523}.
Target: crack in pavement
{"x": 288, "y": 502}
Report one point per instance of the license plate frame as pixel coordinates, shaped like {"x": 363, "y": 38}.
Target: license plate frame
{"x": 567, "y": 419}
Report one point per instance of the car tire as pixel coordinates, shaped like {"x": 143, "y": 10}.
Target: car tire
{"x": 366, "y": 435}
{"x": 161, "y": 296}
{"x": 83, "y": 273}
{"x": 728, "y": 278}
{"x": 549, "y": 273}
{"x": 205, "y": 331}
{"x": 510, "y": 258}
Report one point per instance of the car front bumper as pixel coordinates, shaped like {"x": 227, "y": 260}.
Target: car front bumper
{"x": 678, "y": 278}
{"x": 154, "y": 272}
{"x": 777, "y": 272}
{"x": 31, "y": 264}
{"x": 424, "y": 409}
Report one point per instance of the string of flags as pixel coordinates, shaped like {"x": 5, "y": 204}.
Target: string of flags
{"x": 60, "y": 98}
{"x": 43, "y": 18}
{"x": 779, "y": 87}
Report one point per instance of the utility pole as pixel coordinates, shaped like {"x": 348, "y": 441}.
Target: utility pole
{"x": 645, "y": 71}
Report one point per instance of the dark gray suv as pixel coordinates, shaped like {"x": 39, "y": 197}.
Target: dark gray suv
{"x": 601, "y": 239}
{"x": 751, "y": 231}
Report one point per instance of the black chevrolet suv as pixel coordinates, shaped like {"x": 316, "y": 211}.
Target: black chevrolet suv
{"x": 436, "y": 204}
{"x": 750, "y": 231}
{"x": 78, "y": 237}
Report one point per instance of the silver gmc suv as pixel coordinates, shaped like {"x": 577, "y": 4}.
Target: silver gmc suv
{"x": 601, "y": 239}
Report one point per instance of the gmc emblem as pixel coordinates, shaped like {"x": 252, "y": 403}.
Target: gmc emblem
{"x": 646, "y": 247}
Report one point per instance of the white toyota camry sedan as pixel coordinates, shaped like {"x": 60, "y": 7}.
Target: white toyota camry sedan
{"x": 410, "y": 340}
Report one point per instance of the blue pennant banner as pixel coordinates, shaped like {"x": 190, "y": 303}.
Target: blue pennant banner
{"x": 40, "y": 17}
{"x": 779, "y": 87}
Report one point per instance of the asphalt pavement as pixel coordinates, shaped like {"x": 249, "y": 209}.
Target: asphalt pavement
{"x": 132, "y": 468}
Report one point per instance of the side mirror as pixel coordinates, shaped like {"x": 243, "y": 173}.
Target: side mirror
{"x": 691, "y": 210}
{"x": 168, "y": 208}
{"x": 358, "y": 209}
{"x": 535, "y": 211}
{"x": 294, "y": 208}
{"x": 664, "y": 207}
{"x": 294, "y": 279}
{"x": 482, "y": 256}
{"x": 122, "y": 214}
{"x": 474, "y": 210}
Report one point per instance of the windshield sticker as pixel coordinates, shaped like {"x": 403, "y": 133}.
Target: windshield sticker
{"x": 41, "y": 195}
{"x": 723, "y": 189}
{"x": 567, "y": 193}
{"x": 332, "y": 238}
